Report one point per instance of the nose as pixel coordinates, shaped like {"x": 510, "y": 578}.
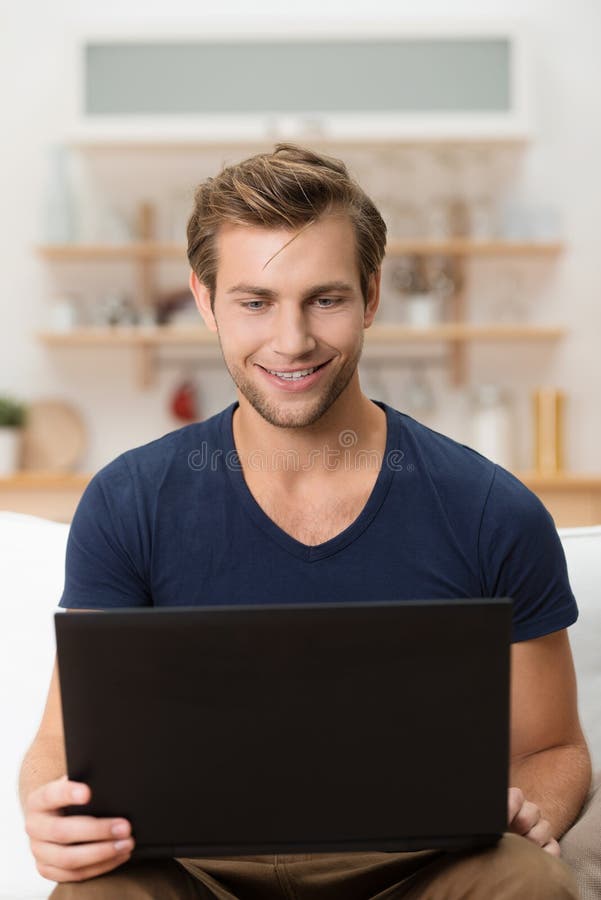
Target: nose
{"x": 292, "y": 334}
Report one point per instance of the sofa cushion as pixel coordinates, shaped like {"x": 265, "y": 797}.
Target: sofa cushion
{"x": 582, "y": 547}
{"x": 32, "y": 551}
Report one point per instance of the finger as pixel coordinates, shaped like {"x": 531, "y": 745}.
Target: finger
{"x": 53, "y": 873}
{"x": 526, "y": 818}
{"x": 515, "y": 799}
{"x": 553, "y": 848}
{"x": 57, "y": 794}
{"x": 79, "y": 856}
{"x": 74, "y": 829}
{"x": 541, "y": 834}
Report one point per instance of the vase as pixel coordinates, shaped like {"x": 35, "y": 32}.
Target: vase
{"x": 59, "y": 225}
{"x": 10, "y": 446}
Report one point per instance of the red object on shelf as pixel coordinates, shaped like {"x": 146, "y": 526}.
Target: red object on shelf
{"x": 184, "y": 402}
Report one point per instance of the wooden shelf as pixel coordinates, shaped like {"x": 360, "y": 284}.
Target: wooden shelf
{"x": 572, "y": 499}
{"x": 140, "y": 138}
{"x": 36, "y": 480}
{"x": 467, "y": 247}
{"x": 147, "y": 340}
{"x": 568, "y": 481}
{"x": 50, "y": 495}
{"x": 138, "y": 250}
{"x": 376, "y": 335}
{"x": 562, "y": 481}
{"x": 462, "y": 331}
{"x": 133, "y": 336}
{"x": 145, "y": 250}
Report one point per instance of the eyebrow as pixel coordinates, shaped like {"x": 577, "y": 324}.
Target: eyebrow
{"x": 259, "y": 291}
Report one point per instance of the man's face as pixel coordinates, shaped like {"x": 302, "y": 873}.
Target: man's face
{"x": 288, "y": 309}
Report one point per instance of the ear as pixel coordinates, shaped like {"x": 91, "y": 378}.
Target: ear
{"x": 202, "y": 297}
{"x": 373, "y": 298}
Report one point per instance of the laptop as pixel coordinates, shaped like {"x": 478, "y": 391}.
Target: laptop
{"x": 241, "y": 729}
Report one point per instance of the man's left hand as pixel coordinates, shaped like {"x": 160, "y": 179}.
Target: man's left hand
{"x": 525, "y": 818}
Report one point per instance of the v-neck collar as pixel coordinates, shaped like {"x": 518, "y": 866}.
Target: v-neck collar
{"x": 307, "y": 552}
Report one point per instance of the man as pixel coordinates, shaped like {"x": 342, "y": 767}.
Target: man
{"x": 285, "y": 495}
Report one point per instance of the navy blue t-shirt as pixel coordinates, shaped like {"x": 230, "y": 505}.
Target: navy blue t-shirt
{"x": 173, "y": 523}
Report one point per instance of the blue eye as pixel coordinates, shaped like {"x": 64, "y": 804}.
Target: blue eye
{"x": 332, "y": 301}
{"x": 248, "y": 305}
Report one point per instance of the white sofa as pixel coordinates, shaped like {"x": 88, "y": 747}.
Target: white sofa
{"x": 32, "y": 553}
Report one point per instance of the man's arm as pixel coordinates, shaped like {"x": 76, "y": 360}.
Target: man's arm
{"x": 65, "y": 848}
{"x": 550, "y": 762}
{"x": 45, "y": 760}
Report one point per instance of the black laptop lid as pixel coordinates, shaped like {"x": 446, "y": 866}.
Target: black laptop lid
{"x": 235, "y": 730}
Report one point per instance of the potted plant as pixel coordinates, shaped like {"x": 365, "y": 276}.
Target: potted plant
{"x": 12, "y": 419}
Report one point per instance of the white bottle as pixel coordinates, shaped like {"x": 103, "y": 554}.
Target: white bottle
{"x": 63, "y": 314}
{"x": 491, "y": 425}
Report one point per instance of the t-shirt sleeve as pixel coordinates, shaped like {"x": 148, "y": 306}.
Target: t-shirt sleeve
{"x": 521, "y": 557}
{"x": 104, "y": 564}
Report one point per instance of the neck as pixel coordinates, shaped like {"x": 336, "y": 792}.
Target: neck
{"x": 353, "y": 429}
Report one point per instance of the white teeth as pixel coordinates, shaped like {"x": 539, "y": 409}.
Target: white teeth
{"x": 292, "y": 376}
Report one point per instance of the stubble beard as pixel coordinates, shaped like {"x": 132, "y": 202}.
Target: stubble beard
{"x": 306, "y": 414}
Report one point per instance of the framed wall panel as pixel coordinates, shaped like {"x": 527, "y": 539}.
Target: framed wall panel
{"x": 409, "y": 81}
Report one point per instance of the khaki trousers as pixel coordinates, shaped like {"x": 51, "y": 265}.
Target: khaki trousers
{"x": 581, "y": 845}
{"x": 515, "y": 869}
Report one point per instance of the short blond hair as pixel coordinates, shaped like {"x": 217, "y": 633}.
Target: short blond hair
{"x": 289, "y": 188}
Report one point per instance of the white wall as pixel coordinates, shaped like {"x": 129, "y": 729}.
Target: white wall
{"x": 37, "y": 95}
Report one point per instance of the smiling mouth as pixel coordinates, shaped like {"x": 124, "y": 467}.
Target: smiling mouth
{"x": 296, "y": 374}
